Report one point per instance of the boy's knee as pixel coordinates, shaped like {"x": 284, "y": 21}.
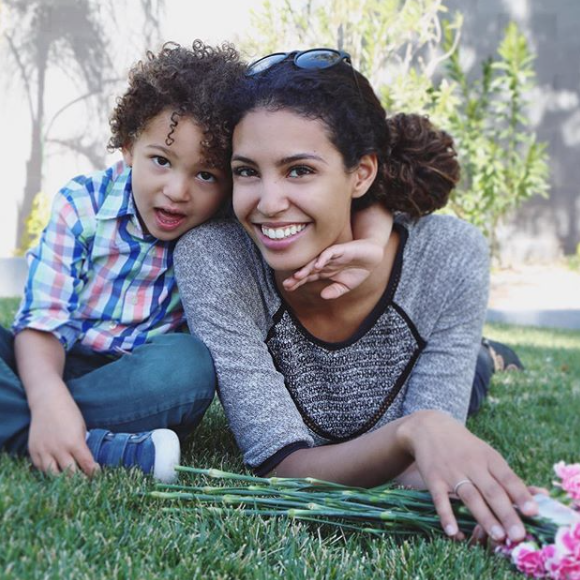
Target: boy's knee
{"x": 182, "y": 363}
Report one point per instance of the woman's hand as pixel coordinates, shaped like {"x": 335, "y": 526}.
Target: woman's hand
{"x": 56, "y": 440}
{"x": 346, "y": 265}
{"x": 450, "y": 460}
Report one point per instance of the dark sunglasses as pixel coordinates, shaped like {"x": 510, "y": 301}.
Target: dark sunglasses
{"x": 311, "y": 59}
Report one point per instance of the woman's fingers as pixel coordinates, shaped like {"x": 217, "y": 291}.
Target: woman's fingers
{"x": 517, "y": 490}
{"x": 478, "y": 536}
{"x": 452, "y": 460}
{"x": 474, "y": 500}
{"x": 440, "y": 494}
{"x": 491, "y": 502}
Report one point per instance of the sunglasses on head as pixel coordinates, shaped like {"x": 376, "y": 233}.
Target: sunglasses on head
{"x": 311, "y": 59}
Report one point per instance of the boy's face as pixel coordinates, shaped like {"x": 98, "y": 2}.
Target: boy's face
{"x": 173, "y": 187}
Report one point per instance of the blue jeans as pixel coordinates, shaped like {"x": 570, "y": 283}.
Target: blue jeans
{"x": 483, "y": 372}
{"x": 166, "y": 383}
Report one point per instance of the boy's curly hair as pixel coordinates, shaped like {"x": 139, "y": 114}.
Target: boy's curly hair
{"x": 190, "y": 83}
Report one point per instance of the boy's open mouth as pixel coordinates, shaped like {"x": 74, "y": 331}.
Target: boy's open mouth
{"x": 168, "y": 220}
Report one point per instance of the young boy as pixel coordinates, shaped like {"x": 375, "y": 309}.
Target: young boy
{"x": 100, "y": 367}
{"x": 99, "y": 371}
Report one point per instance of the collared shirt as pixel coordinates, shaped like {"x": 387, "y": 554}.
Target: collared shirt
{"x": 95, "y": 277}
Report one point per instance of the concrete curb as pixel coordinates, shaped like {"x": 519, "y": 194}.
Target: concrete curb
{"x": 566, "y": 319}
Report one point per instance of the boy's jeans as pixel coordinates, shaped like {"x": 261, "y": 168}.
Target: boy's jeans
{"x": 167, "y": 383}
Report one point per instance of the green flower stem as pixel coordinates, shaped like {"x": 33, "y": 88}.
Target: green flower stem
{"x": 381, "y": 509}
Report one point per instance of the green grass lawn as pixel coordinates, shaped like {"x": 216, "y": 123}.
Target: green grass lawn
{"x": 69, "y": 527}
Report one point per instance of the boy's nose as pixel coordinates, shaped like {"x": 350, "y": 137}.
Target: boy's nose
{"x": 273, "y": 200}
{"x": 178, "y": 190}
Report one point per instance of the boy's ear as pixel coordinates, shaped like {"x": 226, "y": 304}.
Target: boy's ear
{"x": 127, "y": 155}
{"x": 365, "y": 174}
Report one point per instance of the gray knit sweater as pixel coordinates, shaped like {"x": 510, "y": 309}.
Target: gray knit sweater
{"x": 282, "y": 389}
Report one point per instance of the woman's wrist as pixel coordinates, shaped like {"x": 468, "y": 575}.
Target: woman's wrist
{"x": 414, "y": 426}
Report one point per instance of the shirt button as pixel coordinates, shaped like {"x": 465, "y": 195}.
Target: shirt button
{"x": 112, "y": 325}
{"x": 135, "y": 300}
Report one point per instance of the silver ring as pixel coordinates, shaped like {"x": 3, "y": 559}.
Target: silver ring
{"x": 459, "y": 484}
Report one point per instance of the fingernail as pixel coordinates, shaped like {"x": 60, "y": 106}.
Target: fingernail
{"x": 450, "y": 530}
{"x": 517, "y": 532}
{"x": 497, "y": 532}
{"x": 530, "y": 507}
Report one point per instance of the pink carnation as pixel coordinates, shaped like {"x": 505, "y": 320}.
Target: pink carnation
{"x": 563, "y": 563}
{"x": 566, "y": 569}
{"x": 570, "y": 476}
{"x": 530, "y": 560}
{"x": 505, "y": 548}
{"x": 550, "y": 561}
{"x": 563, "y": 470}
{"x": 568, "y": 542}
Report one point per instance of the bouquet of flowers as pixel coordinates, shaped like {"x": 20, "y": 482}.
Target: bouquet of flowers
{"x": 559, "y": 557}
{"x": 551, "y": 549}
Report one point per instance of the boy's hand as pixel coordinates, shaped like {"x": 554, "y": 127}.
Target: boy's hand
{"x": 56, "y": 441}
{"x": 346, "y": 265}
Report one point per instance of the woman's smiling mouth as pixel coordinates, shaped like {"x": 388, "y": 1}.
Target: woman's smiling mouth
{"x": 281, "y": 232}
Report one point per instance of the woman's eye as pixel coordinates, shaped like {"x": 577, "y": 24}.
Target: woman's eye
{"x": 244, "y": 172}
{"x": 300, "y": 171}
{"x": 206, "y": 176}
{"x": 161, "y": 161}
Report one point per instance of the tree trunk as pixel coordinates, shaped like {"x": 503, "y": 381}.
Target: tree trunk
{"x": 34, "y": 164}
{"x": 33, "y": 182}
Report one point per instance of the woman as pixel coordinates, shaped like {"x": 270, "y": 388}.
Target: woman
{"x": 375, "y": 384}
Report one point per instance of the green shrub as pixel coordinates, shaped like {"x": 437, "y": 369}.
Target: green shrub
{"x": 502, "y": 163}
{"x": 35, "y": 223}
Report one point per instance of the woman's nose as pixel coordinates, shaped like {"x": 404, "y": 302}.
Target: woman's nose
{"x": 273, "y": 199}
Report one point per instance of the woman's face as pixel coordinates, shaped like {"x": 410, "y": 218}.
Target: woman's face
{"x": 291, "y": 190}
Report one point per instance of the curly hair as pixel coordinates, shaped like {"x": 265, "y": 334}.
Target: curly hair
{"x": 191, "y": 83}
{"x": 417, "y": 164}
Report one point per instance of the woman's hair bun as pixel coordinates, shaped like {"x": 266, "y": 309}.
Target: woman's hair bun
{"x": 420, "y": 167}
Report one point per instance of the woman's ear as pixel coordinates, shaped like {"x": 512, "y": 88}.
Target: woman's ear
{"x": 127, "y": 155}
{"x": 365, "y": 174}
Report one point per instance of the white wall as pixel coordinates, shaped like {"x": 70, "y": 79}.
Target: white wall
{"x": 215, "y": 21}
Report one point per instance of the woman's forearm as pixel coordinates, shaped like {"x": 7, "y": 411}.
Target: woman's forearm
{"x": 374, "y": 223}
{"x": 366, "y": 461}
{"x": 445, "y": 453}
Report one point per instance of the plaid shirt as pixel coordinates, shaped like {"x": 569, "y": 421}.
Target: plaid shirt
{"x": 95, "y": 277}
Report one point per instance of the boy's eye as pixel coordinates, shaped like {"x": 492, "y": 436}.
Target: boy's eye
{"x": 206, "y": 176}
{"x": 243, "y": 171}
{"x": 161, "y": 161}
{"x": 300, "y": 171}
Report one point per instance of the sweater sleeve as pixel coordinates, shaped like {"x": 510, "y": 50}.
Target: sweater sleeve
{"x": 228, "y": 301}
{"x": 450, "y": 287}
